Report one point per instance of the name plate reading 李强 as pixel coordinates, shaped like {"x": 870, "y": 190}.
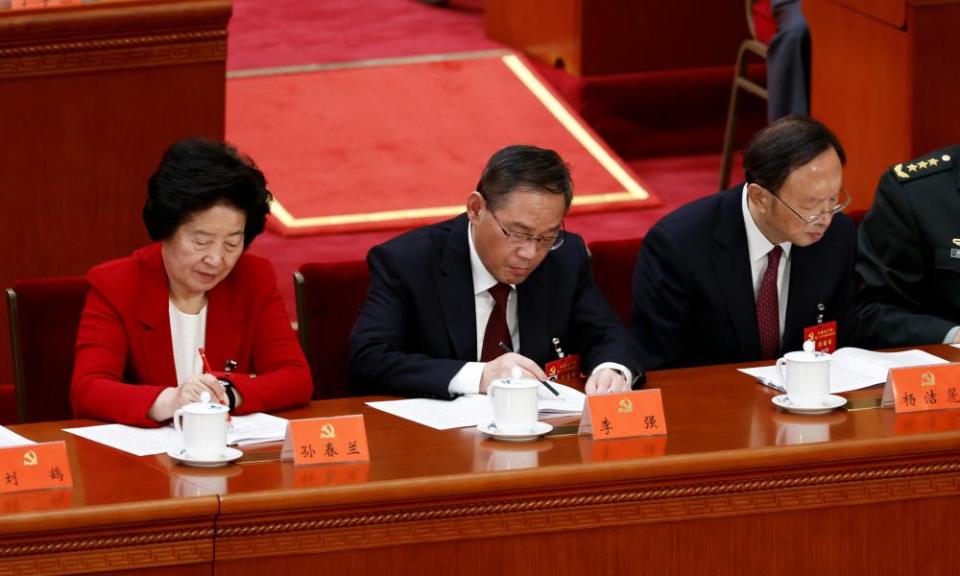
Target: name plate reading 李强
{"x": 35, "y": 467}
{"x": 326, "y": 440}
{"x": 920, "y": 388}
{"x": 623, "y": 415}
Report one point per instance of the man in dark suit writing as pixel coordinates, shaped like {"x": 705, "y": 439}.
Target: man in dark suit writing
{"x": 740, "y": 275}
{"x": 445, "y": 300}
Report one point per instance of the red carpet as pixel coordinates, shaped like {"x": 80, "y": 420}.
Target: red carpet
{"x": 370, "y": 148}
{"x": 286, "y": 32}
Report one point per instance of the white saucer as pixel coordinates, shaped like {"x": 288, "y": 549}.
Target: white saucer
{"x": 821, "y": 406}
{"x": 539, "y": 429}
{"x": 227, "y": 456}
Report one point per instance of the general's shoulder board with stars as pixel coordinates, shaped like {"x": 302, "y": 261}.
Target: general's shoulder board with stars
{"x": 921, "y": 167}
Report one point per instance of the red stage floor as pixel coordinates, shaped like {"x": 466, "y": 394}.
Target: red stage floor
{"x": 387, "y": 147}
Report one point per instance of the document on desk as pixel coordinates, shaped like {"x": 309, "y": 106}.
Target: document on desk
{"x": 10, "y": 438}
{"x": 244, "y": 430}
{"x": 853, "y": 368}
{"x": 474, "y": 409}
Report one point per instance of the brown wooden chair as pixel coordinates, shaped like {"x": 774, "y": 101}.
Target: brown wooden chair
{"x": 329, "y": 296}
{"x": 756, "y": 46}
{"x": 612, "y": 262}
{"x": 44, "y": 317}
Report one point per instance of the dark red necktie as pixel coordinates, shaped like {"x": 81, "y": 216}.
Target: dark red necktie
{"x": 497, "y": 330}
{"x": 768, "y": 307}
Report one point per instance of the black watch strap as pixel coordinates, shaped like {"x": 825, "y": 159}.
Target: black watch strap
{"x": 231, "y": 395}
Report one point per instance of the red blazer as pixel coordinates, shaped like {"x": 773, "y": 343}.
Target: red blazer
{"x": 124, "y": 354}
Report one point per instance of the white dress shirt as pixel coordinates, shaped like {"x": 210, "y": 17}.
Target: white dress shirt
{"x": 758, "y": 246}
{"x": 467, "y": 380}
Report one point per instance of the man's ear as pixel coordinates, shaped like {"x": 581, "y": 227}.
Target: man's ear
{"x": 475, "y": 203}
{"x": 757, "y": 196}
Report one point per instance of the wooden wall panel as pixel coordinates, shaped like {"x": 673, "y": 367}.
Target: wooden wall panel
{"x": 600, "y": 37}
{"x": 90, "y": 96}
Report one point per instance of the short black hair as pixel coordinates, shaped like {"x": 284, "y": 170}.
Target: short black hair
{"x": 195, "y": 174}
{"x": 524, "y": 166}
{"x": 785, "y": 145}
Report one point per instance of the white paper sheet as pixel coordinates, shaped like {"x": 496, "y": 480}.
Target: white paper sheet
{"x": 854, "y": 368}
{"x": 10, "y": 438}
{"x": 250, "y": 429}
{"x": 474, "y": 409}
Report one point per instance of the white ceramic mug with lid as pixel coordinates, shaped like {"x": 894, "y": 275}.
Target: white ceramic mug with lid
{"x": 514, "y": 405}
{"x": 805, "y": 374}
{"x": 203, "y": 427}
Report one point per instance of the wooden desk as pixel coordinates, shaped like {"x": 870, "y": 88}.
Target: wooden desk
{"x": 735, "y": 488}
{"x": 121, "y": 515}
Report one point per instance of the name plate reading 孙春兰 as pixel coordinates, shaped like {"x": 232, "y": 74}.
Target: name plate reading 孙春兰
{"x": 35, "y": 467}
{"x": 622, "y": 415}
{"x": 326, "y": 440}
{"x": 919, "y": 388}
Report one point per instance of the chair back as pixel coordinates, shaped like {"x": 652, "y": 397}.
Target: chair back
{"x": 612, "y": 262}
{"x": 44, "y": 317}
{"x": 329, "y": 296}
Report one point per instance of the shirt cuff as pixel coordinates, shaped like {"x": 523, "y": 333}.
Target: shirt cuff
{"x": 467, "y": 380}
{"x": 618, "y": 367}
{"x": 951, "y": 335}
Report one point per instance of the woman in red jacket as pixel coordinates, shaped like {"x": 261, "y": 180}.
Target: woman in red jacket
{"x": 147, "y": 315}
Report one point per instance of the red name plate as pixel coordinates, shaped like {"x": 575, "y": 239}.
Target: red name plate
{"x": 326, "y": 440}
{"x": 566, "y": 369}
{"x": 920, "y": 388}
{"x": 35, "y": 467}
{"x": 824, "y": 336}
{"x": 622, "y": 415}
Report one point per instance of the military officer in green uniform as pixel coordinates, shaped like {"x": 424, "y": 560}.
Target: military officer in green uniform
{"x": 909, "y": 255}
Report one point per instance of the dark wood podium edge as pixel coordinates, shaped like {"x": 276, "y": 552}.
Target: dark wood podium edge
{"x": 113, "y": 36}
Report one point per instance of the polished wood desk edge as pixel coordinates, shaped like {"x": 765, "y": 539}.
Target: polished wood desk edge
{"x": 115, "y": 37}
{"x": 132, "y": 513}
{"x": 33, "y": 30}
{"x": 898, "y": 456}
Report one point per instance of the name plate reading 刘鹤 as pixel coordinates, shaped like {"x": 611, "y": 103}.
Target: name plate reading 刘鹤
{"x": 638, "y": 413}
{"x": 920, "y": 388}
{"x": 326, "y": 440}
{"x": 35, "y": 467}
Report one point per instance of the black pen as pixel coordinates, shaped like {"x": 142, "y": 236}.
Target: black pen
{"x": 506, "y": 348}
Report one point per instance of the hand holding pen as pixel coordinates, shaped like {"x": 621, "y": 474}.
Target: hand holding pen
{"x": 542, "y": 380}
{"x": 502, "y": 367}
{"x": 208, "y": 370}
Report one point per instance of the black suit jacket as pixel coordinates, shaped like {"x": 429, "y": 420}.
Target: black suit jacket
{"x": 417, "y": 327}
{"x": 693, "y": 300}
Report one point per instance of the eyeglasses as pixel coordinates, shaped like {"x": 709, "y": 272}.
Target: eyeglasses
{"x": 843, "y": 200}
{"x": 522, "y": 238}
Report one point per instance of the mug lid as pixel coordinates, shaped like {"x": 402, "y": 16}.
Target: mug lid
{"x": 808, "y": 354}
{"x": 517, "y": 382}
{"x": 204, "y": 406}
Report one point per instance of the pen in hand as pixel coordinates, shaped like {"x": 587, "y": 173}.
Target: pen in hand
{"x": 506, "y": 348}
{"x": 207, "y": 370}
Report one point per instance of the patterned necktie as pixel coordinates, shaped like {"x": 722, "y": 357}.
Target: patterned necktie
{"x": 768, "y": 307}
{"x": 497, "y": 330}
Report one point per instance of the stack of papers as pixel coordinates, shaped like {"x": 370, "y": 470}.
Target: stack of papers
{"x": 244, "y": 430}
{"x": 10, "y": 438}
{"x": 853, "y": 368}
{"x": 475, "y": 409}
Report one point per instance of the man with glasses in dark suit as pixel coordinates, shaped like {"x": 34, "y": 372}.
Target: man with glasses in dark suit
{"x": 453, "y": 306}
{"x": 750, "y": 272}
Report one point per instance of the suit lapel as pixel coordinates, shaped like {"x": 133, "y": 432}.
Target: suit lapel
{"x": 799, "y": 302}
{"x": 225, "y": 325}
{"x": 731, "y": 264}
{"x": 457, "y": 300}
{"x": 533, "y": 310}
{"x": 154, "y": 321}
